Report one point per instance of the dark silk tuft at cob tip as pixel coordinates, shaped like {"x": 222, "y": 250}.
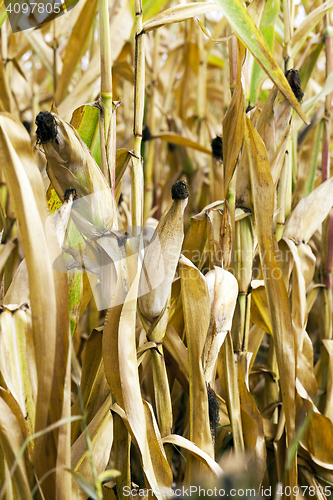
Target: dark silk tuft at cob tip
{"x": 70, "y": 192}
{"x": 217, "y": 148}
{"x": 179, "y": 191}
{"x": 294, "y": 80}
{"x": 47, "y": 128}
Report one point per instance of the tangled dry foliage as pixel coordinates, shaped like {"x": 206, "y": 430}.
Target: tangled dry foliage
{"x": 153, "y": 337}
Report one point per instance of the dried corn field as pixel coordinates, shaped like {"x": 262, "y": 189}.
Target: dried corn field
{"x": 166, "y": 250}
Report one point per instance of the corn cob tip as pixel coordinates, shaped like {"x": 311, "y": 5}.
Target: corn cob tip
{"x": 294, "y": 81}
{"x": 179, "y": 191}
{"x": 70, "y": 193}
{"x": 217, "y": 148}
{"x": 47, "y": 128}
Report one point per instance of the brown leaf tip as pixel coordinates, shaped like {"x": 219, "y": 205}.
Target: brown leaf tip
{"x": 217, "y": 148}
{"x": 47, "y": 128}
{"x": 179, "y": 191}
{"x": 294, "y": 80}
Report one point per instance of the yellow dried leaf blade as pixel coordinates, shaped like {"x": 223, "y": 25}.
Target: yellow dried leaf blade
{"x": 120, "y": 364}
{"x": 48, "y": 288}
{"x": 260, "y": 314}
{"x": 248, "y": 405}
{"x": 122, "y": 159}
{"x": 5, "y": 252}
{"x": 162, "y": 468}
{"x": 246, "y": 30}
{"x": 196, "y": 308}
{"x": 195, "y": 239}
{"x": 318, "y": 437}
{"x": 278, "y": 301}
{"x": 75, "y": 47}
{"x": 17, "y": 360}
{"x": 233, "y": 133}
{"x": 100, "y": 431}
{"x": 310, "y": 213}
{"x": 176, "y": 348}
{"x": 180, "y": 140}
{"x": 177, "y": 14}
{"x": 95, "y": 389}
{"x": 194, "y": 450}
{"x": 3, "y": 13}
{"x": 42, "y": 292}
{"x": 12, "y": 437}
{"x": 307, "y": 26}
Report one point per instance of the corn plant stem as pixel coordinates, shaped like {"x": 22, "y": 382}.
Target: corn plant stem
{"x": 231, "y": 389}
{"x": 55, "y": 46}
{"x": 281, "y": 198}
{"x": 327, "y": 233}
{"x": 97, "y": 483}
{"x": 287, "y": 21}
{"x": 122, "y": 455}
{"x": 242, "y": 310}
{"x": 231, "y": 197}
{"x": 151, "y": 122}
{"x": 106, "y": 81}
{"x": 325, "y": 165}
{"x": 139, "y": 97}
{"x": 202, "y": 77}
{"x": 247, "y": 323}
{"x": 162, "y": 398}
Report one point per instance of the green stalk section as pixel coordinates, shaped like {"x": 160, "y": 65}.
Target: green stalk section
{"x": 106, "y": 86}
{"x": 139, "y": 99}
{"x": 151, "y": 122}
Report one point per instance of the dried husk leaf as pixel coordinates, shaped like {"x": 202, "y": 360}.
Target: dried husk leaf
{"x": 223, "y": 290}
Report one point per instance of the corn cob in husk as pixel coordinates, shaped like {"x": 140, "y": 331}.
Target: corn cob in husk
{"x": 71, "y": 165}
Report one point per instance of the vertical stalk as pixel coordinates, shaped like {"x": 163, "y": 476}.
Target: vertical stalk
{"x": 325, "y": 164}
{"x": 327, "y": 231}
{"x": 139, "y": 97}
{"x": 151, "y": 122}
{"x": 288, "y": 28}
{"x": 55, "y": 46}
{"x": 122, "y": 455}
{"x": 106, "y": 92}
{"x": 282, "y": 195}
